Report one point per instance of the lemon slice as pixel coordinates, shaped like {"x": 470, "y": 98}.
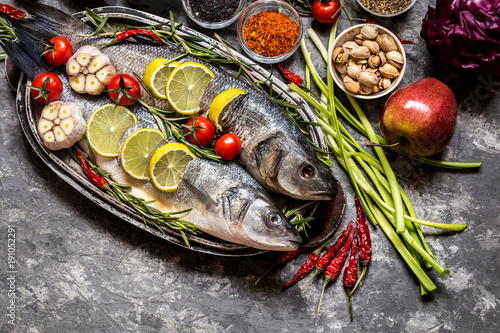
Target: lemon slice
{"x": 221, "y": 103}
{"x": 168, "y": 164}
{"x": 156, "y": 75}
{"x": 106, "y": 127}
{"x": 185, "y": 85}
{"x": 138, "y": 149}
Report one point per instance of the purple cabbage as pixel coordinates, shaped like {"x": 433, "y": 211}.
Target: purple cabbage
{"x": 465, "y": 34}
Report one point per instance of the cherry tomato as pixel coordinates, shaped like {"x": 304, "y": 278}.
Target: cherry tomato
{"x": 58, "y": 51}
{"x": 326, "y": 13}
{"x": 205, "y": 134}
{"x": 52, "y": 90}
{"x": 228, "y": 146}
{"x": 122, "y": 85}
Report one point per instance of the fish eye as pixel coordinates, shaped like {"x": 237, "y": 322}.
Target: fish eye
{"x": 273, "y": 219}
{"x": 307, "y": 171}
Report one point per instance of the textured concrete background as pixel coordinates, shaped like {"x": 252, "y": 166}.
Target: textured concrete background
{"x": 79, "y": 269}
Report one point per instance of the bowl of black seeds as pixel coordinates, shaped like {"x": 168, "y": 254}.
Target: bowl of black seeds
{"x": 214, "y": 14}
{"x": 386, "y": 8}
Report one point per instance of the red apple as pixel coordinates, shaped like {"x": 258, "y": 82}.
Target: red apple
{"x": 420, "y": 118}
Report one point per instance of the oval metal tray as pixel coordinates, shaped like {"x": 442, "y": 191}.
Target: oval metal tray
{"x": 72, "y": 174}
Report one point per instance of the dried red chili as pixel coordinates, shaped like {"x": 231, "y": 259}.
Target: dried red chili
{"x": 93, "y": 176}
{"x": 132, "y": 32}
{"x": 335, "y": 267}
{"x": 283, "y": 258}
{"x": 351, "y": 275}
{"x": 290, "y": 76}
{"x": 371, "y": 19}
{"x": 12, "y": 12}
{"x": 326, "y": 258}
{"x": 364, "y": 241}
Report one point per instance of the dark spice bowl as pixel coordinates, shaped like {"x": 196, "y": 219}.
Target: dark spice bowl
{"x": 204, "y": 16}
{"x": 263, "y": 6}
{"x": 381, "y": 4}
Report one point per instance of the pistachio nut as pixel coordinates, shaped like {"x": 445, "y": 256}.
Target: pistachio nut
{"x": 341, "y": 68}
{"x": 375, "y": 89}
{"x": 373, "y": 70}
{"x": 386, "y": 43}
{"x": 369, "y": 31}
{"x": 395, "y": 58}
{"x": 389, "y": 71}
{"x": 374, "y": 61}
{"x": 365, "y": 90}
{"x": 352, "y": 62}
{"x": 353, "y": 71}
{"x": 349, "y": 45}
{"x": 359, "y": 39}
{"x": 339, "y": 55}
{"x": 372, "y": 46}
{"x": 383, "y": 58}
{"x": 367, "y": 78}
{"x": 351, "y": 85}
{"x": 384, "y": 83}
{"x": 360, "y": 53}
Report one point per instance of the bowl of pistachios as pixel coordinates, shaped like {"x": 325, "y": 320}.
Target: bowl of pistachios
{"x": 367, "y": 61}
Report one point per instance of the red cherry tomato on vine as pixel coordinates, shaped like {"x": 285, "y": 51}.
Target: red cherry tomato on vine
{"x": 326, "y": 12}
{"x": 228, "y": 146}
{"x": 204, "y": 135}
{"x": 58, "y": 51}
{"x": 122, "y": 85}
{"x": 46, "y": 93}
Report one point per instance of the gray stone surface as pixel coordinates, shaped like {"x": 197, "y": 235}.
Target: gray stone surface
{"x": 79, "y": 269}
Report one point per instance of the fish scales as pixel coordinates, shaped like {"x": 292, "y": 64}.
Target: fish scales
{"x": 225, "y": 200}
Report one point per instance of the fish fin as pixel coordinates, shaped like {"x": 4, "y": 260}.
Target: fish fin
{"x": 201, "y": 194}
{"x": 268, "y": 154}
{"x": 41, "y": 24}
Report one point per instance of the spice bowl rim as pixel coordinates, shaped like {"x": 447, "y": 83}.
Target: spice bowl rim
{"x": 346, "y": 36}
{"x": 257, "y": 7}
{"x": 214, "y": 25}
{"x": 386, "y": 15}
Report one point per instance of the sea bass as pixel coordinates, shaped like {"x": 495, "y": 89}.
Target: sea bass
{"x": 274, "y": 150}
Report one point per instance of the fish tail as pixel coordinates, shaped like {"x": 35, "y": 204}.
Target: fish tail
{"x": 41, "y": 24}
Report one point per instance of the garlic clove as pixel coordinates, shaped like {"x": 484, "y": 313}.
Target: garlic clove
{"x": 98, "y": 62}
{"x": 49, "y": 137}
{"x": 44, "y": 125}
{"x": 67, "y": 125}
{"x": 50, "y": 111}
{"x": 105, "y": 74}
{"x": 73, "y": 68}
{"x": 64, "y": 111}
{"x": 77, "y": 82}
{"x": 83, "y": 59}
{"x": 59, "y": 134}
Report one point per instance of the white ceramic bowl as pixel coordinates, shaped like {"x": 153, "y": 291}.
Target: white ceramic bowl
{"x": 262, "y": 6}
{"x": 213, "y": 25}
{"x": 348, "y": 35}
{"x": 386, "y": 15}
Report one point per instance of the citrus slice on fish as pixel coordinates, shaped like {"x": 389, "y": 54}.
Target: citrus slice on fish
{"x": 168, "y": 164}
{"x": 106, "y": 127}
{"x": 156, "y": 75}
{"x": 138, "y": 150}
{"x": 185, "y": 85}
{"x": 221, "y": 104}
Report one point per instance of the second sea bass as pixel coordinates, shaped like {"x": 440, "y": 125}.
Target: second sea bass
{"x": 274, "y": 150}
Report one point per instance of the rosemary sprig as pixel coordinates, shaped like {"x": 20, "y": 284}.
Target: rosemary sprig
{"x": 295, "y": 214}
{"x": 6, "y": 30}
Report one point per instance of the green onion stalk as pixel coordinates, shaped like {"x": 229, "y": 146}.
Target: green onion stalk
{"x": 372, "y": 176}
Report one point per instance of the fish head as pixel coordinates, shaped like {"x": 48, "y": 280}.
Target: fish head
{"x": 294, "y": 170}
{"x": 258, "y": 221}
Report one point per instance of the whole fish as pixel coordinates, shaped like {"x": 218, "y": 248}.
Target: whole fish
{"x": 274, "y": 150}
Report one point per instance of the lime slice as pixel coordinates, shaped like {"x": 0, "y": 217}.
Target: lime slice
{"x": 168, "y": 165}
{"x": 138, "y": 149}
{"x": 156, "y": 75}
{"x": 106, "y": 127}
{"x": 185, "y": 85}
{"x": 221, "y": 103}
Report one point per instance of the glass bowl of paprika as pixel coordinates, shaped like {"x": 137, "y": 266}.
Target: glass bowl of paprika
{"x": 214, "y": 14}
{"x": 269, "y": 31}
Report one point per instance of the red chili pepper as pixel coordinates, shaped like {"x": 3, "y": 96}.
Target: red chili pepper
{"x": 371, "y": 19}
{"x": 364, "y": 241}
{"x": 351, "y": 274}
{"x": 306, "y": 268}
{"x": 335, "y": 267}
{"x": 283, "y": 258}
{"x": 290, "y": 76}
{"x": 12, "y": 12}
{"x": 93, "y": 176}
{"x": 132, "y": 32}
{"x": 326, "y": 258}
